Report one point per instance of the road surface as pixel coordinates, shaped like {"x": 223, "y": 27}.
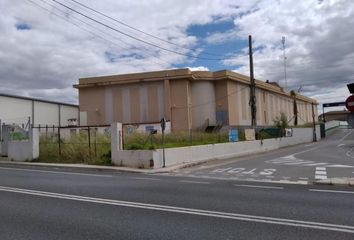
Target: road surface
{"x": 302, "y": 164}
{"x": 49, "y": 203}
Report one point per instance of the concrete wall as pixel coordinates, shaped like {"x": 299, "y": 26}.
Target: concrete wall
{"x": 203, "y": 99}
{"x": 25, "y": 150}
{"x": 331, "y": 124}
{"x": 175, "y": 156}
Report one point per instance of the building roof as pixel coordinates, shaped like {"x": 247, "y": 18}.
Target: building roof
{"x": 184, "y": 73}
{"x": 336, "y": 112}
{"x": 37, "y": 100}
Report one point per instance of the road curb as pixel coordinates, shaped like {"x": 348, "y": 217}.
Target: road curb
{"x": 336, "y": 181}
{"x": 93, "y": 167}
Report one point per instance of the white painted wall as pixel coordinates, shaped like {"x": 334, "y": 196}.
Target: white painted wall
{"x": 18, "y": 110}
{"x": 46, "y": 113}
{"x": 68, "y": 112}
{"x": 14, "y": 110}
{"x": 175, "y": 156}
{"x": 332, "y": 124}
{"x": 203, "y": 99}
{"x": 25, "y": 150}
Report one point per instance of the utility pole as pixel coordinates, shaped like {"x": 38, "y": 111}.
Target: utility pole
{"x": 252, "y": 87}
{"x": 283, "y": 42}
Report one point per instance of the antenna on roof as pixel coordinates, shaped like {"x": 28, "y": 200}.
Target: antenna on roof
{"x": 283, "y": 42}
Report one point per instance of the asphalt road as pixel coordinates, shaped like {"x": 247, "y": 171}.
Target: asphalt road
{"x": 302, "y": 164}
{"x": 48, "y": 203}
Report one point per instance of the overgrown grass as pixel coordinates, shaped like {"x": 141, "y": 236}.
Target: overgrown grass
{"x": 180, "y": 139}
{"x": 76, "y": 149}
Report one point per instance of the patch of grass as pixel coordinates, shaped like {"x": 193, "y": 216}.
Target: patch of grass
{"x": 181, "y": 139}
{"x": 76, "y": 149}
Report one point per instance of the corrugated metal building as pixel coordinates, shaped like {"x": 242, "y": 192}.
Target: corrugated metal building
{"x": 20, "y": 110}
{"x": 189, "y": 99}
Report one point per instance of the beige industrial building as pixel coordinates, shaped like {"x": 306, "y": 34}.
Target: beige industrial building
{"x": 189, "y": 99}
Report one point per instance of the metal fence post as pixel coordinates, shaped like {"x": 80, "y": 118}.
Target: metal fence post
{"x": 89, "y": 141}
{"x": 95, "y": 142}
{"x": 59, "y": 141}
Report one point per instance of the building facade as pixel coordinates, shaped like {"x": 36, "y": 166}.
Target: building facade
{"x": 21, "y": 110}
{"x": 189, "y": 99}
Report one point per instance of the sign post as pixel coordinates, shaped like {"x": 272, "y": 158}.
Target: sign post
{"x": 163, "y": 127}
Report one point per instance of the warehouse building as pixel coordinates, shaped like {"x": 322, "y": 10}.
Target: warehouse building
{"x": 189, "y": 99}
{"x": 38, "y": 112}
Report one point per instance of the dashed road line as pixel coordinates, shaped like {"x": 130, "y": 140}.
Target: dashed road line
{"x": 330, "y": 191}
{"x": 257, "y": 186}
{"x": 143, "y": 178}
{"x": 304, "y": 178}
{"x": 196, "y": 182}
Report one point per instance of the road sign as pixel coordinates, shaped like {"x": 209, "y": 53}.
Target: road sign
{"x": 163, "y": 124}
{"x": 349, "y": 103}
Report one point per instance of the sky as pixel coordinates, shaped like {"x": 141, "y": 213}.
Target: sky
{"x": 47, "y": 45}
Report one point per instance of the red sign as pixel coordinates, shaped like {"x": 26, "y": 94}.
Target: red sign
{"x": 349, "y": 103}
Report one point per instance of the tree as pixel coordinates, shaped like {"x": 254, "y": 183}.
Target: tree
{"x": 281, "y": 123}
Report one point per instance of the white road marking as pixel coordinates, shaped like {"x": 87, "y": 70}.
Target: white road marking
{"x": 304, "y": 178}
{"x": 330, "y": 191}
{"x": 340, "y": 145}
{"x": 257, "y": 186}
{"x": 346, "y": 135}
{"x": 318, "y": 172}
{"x": 349, "y": 153}
{"x": 309, "y": 145}
{"x": 196, "y": 182}
{"x": 290, "y": 161}
{"x": 145, "y": 178}
{"x": 190, "y": 211}
{"x": 55, "y": 172}
{"x": 321, "y": 173}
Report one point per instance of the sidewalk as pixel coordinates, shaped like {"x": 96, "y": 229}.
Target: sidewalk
{"x": 97, "y": 167}
{"x": 345, "y": 181}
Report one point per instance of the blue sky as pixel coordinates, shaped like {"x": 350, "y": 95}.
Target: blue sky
{"x": 223, "y": 49}
{"x": 53, "y": 47}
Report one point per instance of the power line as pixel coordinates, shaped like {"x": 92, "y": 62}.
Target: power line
{"x": 92, "y": 33}
{"x": 133, "y": 37}
{"x": 138, "y": 30}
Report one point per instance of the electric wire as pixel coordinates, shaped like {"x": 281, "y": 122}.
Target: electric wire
{"x": 140, "y": 31}
{"x": 131, "y": 36}
{"x": 93, "y": 33}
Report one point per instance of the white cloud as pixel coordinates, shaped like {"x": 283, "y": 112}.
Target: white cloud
{"x": 319, "y": 46}
{"x": 48, "y": 59}
{"x": 200, "y": 68}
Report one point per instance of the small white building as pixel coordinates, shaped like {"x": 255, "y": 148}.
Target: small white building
{"x": 38, "y": 112}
